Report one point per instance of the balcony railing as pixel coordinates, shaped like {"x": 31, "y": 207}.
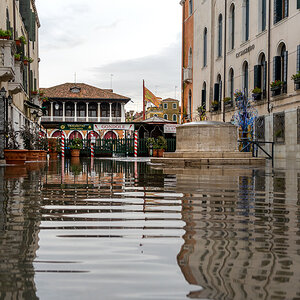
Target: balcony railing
{"x": 187, "y": 74}
{"x": 81, "y": 119}
{"x": 16, "y": 85}
{"x": 7, "y": 60}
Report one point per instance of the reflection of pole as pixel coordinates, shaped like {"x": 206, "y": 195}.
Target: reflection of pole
{"x": 135, "y": 143}
{"x": 92, "y": 145}
{"x": 62, "y": 169}
{"x": 135, "y": 170}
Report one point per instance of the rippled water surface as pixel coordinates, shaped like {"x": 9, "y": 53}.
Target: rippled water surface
{"x": 123, "y": 230}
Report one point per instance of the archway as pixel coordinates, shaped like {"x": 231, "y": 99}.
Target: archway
{"x": 56, "y": 134}
{"x": 95, "y": 134}
{"x": 110, "y": 135}
{"x": 75, "y": 135}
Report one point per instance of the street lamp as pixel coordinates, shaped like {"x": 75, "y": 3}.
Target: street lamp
{"x": 56, "y": 106}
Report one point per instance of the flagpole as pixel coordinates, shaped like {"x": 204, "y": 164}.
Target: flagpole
{"x": 144, "y": 117}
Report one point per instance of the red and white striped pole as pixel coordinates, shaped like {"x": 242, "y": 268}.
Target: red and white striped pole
{"x": 92, "y": 145}
{"x": 135, "y": 143}
{"x": 62, "y": 144}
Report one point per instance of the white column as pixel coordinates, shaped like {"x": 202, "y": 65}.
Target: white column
{"x": 122, "y": 112}
{"x": 64, "y": 111}
{"x": 75, "y": 113}
{"x": 99, "y": 111}
{"x": 110, "y": 112}
{"x": 51, "y": 111}
{"x": 87, "y": 112}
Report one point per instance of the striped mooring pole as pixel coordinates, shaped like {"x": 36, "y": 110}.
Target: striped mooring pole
{"x": 135, "y": 143}
{"x": 62, "y": 144}
{"x": 92, "y": 146}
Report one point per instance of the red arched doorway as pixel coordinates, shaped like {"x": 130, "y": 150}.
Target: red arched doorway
{"x": 56, "y": 134}
{"x": 75, "y": 135}
{"x": 95, "y": 134}
{"x": 110, "y": 135}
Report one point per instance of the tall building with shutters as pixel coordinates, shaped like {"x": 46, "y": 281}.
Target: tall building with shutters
{"x": 19, "y": 65}
{"x": 243, "y": 45}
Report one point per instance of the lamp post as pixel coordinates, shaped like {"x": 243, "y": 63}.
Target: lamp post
{"x": 7, "y": 101}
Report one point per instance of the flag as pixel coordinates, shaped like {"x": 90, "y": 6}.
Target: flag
{"x": 150, "y": 97}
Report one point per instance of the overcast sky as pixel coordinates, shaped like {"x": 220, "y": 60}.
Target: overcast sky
{"x": 131, "y": 39}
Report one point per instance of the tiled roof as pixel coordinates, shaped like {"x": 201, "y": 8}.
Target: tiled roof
{"x": 156, "y": 119}
{"x": 85, "y": 92}
{"x": 169, "y": 99}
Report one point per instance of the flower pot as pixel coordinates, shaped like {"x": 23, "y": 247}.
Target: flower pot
{"x": 25, "y": 62}
{"x": 18, "y": 43}
{"x": 34, "y": 93}
{"x": 155, "y": 152}
{"x": 33, "y": 155}
{"x": 256, "y": 96}
{"x": 75, "y": 152}
{"x": 17, "y": 157}
{"x": 297, "y": 81}
{"x": 4, "y": 37}
{"x": 160, "y": 152}
{"x": 276, "y": 88}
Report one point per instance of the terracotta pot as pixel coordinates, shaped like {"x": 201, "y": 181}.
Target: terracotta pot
{"x": 25, "y": 62}
{"x": 4, "y": 37}
{"x": 15, "y": 156}
{"x": 160, "y": 152}
{"x": 75, "y": 152}
{"x": 18, "y": 43}
{"x": 33, "y": 155}
{"x": 155, "y": 152}
{"x": 15, "y": 172}
{"x": 53, "y": 155}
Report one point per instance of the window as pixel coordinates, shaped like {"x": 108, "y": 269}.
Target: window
{"x": 298, "y": 126}
{"x": 165, "y": 105}
{"x": 218, "y": 90}
{"x": 190, "y": 58}
{"x": 190, "y": 105}
{"x": 298, "y": 65}
{"x": 203, "y": 99}
{"x": 190, "y": 7}
{"x": 70, "y": 111}
{"x": 174, "y": 105}
{"x": 205, "y": 48}
{"x": 104, "y": 110}
{"x": 231, "y": 26}
{"x": 116, "y": 110}
{"x": 245, "y": 78}
{"x": 260, "y": 76}
{"x": 231, "y": 83}
{"x": 220, "y": 31}
{"x": 174, "y": 118}
{"x": 262, "y": 15}
{"x": 279, "y": 128}
{"x": 58, "y": 109}
{"x": 81, "y": 110}
{"x": 246, "y": 20}
{"x": 165, "y": 116}
{"x": 93, "y": 110}
{"x": 280, "y": 68}
{"x": 298, "y": 4}
{"x": 281, "y": 10}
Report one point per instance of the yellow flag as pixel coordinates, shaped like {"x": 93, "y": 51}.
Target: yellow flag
{"x": 150, "y": 97}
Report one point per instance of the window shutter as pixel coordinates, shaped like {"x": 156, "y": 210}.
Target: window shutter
{"x": 247, "y": 20}
{"x": 298, "y": 57}
{"x": 257, "y": 76}
{"x": 286, "y": 8}
{"x": 263, "y": 25}
{"x": 220, "y": 91}
{"x": 203, "y": 98}
{"x": 264, "y": 87}
{"x": 285, "y": 70}
{"x": 277, "y": 11}
{"x": 298, "y": 4}
{"x": 216, "y": 92}
{"x": 276, "y": 68}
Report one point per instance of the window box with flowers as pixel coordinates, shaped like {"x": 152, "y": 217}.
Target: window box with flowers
{"x": 5, "y": 34}
{"x": 296, "y": 78}
{"x": 276, "y": 85}
{"x": 34, "y": 92}
{"x": 215, "y": 105}
{"x": 256, "y": 93}
{"x": 27, "y": 60}
{"x": 17, "y": 57}
{"x": 21, "y": 40}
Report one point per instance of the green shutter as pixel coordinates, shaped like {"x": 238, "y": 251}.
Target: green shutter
{"x": 264, "y": 87}
{"x": 298, "y": 4}
{"x": 257, "y": 76}
{"x": 277, "y": 68}
{"x": 216, "y": 92}
{"x": 277, "y": 11}
{"x": 285, "y": 70}
{"x": 298, "y": 57}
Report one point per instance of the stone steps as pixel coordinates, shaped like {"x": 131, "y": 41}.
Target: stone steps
{"x": 202, "y": 155}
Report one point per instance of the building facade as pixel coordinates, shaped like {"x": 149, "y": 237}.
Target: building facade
{"x": 78, "y": 108}
{"x": 19, "y": 65}
{"x": 246, "y": 45}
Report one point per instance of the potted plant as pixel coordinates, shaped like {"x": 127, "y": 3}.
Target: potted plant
{"x": 21, "y": 40}
{"x": 256, "y": 93}
{"x": 162, "y": 146}
{"x": 30, "y": 143}
{"x": 201, "y": 112}
{"x": 75, "y": 146}
{"x": 215, "y": 105}
{"x": 12, "y": 153}
{"x": 27, "y": 60}
{"x": 5, "y": 34}
{"x": 151, "y": 143}
{"x": 276, "y": 85}
{"x": 17, "y": 57}
{"x": 34, "y": 92}
{"x": 227, "y": 101}
{"x": 296, "y": 78}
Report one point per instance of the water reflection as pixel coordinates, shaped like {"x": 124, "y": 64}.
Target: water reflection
{"x": 73, "y": 228}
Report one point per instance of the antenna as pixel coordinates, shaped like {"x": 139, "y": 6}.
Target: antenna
{"x": 176, "y": 91}
{"x": 75, "y": 77}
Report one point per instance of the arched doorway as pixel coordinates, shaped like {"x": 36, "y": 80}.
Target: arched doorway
{"x": 75, "y": 135}
{"x": 56, "y": 134}
{"x": 110, "y": 135}
{"x": 95, "y": 134}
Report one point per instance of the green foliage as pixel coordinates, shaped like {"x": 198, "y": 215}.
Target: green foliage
{"x": 276, "y": 83}
{"x": 256, "y": 90}
{"x": 227, "y": 100}
{"x": 29, "y": 59}
{"x": 17, "y": 56}
{"x": 29, "y": 138}
{"x": 150, "y": 141}
{"x": 5, "y": 33}
{"x": 76, "y": 144}
{"x": 43, "y": 144}
{"x": 215, "y": 103}
{"x": 162, "y": 143}
{"x": 22, "y": 40}
{"x": 296, "y": 76}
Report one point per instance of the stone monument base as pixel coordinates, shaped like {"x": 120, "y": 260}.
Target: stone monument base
{"x": 207, "y": 143}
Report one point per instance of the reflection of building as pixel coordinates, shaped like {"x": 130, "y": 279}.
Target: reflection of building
{"x": 245, "y": 45}
{"x": 18, "y": 77}
{"x": 240, "y": 240}
{"x": 168, "y": 110}
{"x": 80, "y": 105}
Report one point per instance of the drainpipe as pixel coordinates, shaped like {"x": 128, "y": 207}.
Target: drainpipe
{"x": 269, "y": 54}
{"x": 225, "y": 49}
{"x": 182, "y": 59}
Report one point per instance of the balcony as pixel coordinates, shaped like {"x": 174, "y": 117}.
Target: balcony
{"x": 7, "y": 60}
{"x": 81, "y": 119}
{"x": 16, "y": 85}
{"x": 187, "y": 75}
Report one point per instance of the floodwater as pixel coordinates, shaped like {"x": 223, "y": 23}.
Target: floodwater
{"x": 124, "y": 230}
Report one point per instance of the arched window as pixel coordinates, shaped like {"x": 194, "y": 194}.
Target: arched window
{"x": 70, "y": 111}
{"x": 81, "y": 110}
{"x": 58, "y": 109}
{"x": 190, "y": 7}
{"x": 93, "y": 110}
{"x": 190, "y": 105}
{"x": 205, "y": 47}
{"x": 245, "y": 78}
{"x": 190, "y": 58}
{"x": 260, "y": 76}
{"x": 246, "y": 20}
{"x": 165, "y": 116}
{"x": 174, "y": 118}
{"x": 220, "y": 33}
{"x": 231, "y": 26}
{"x": 280, "y": 68}
{"x": 203, "y": 100}
{"x": 231, "y": 83}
